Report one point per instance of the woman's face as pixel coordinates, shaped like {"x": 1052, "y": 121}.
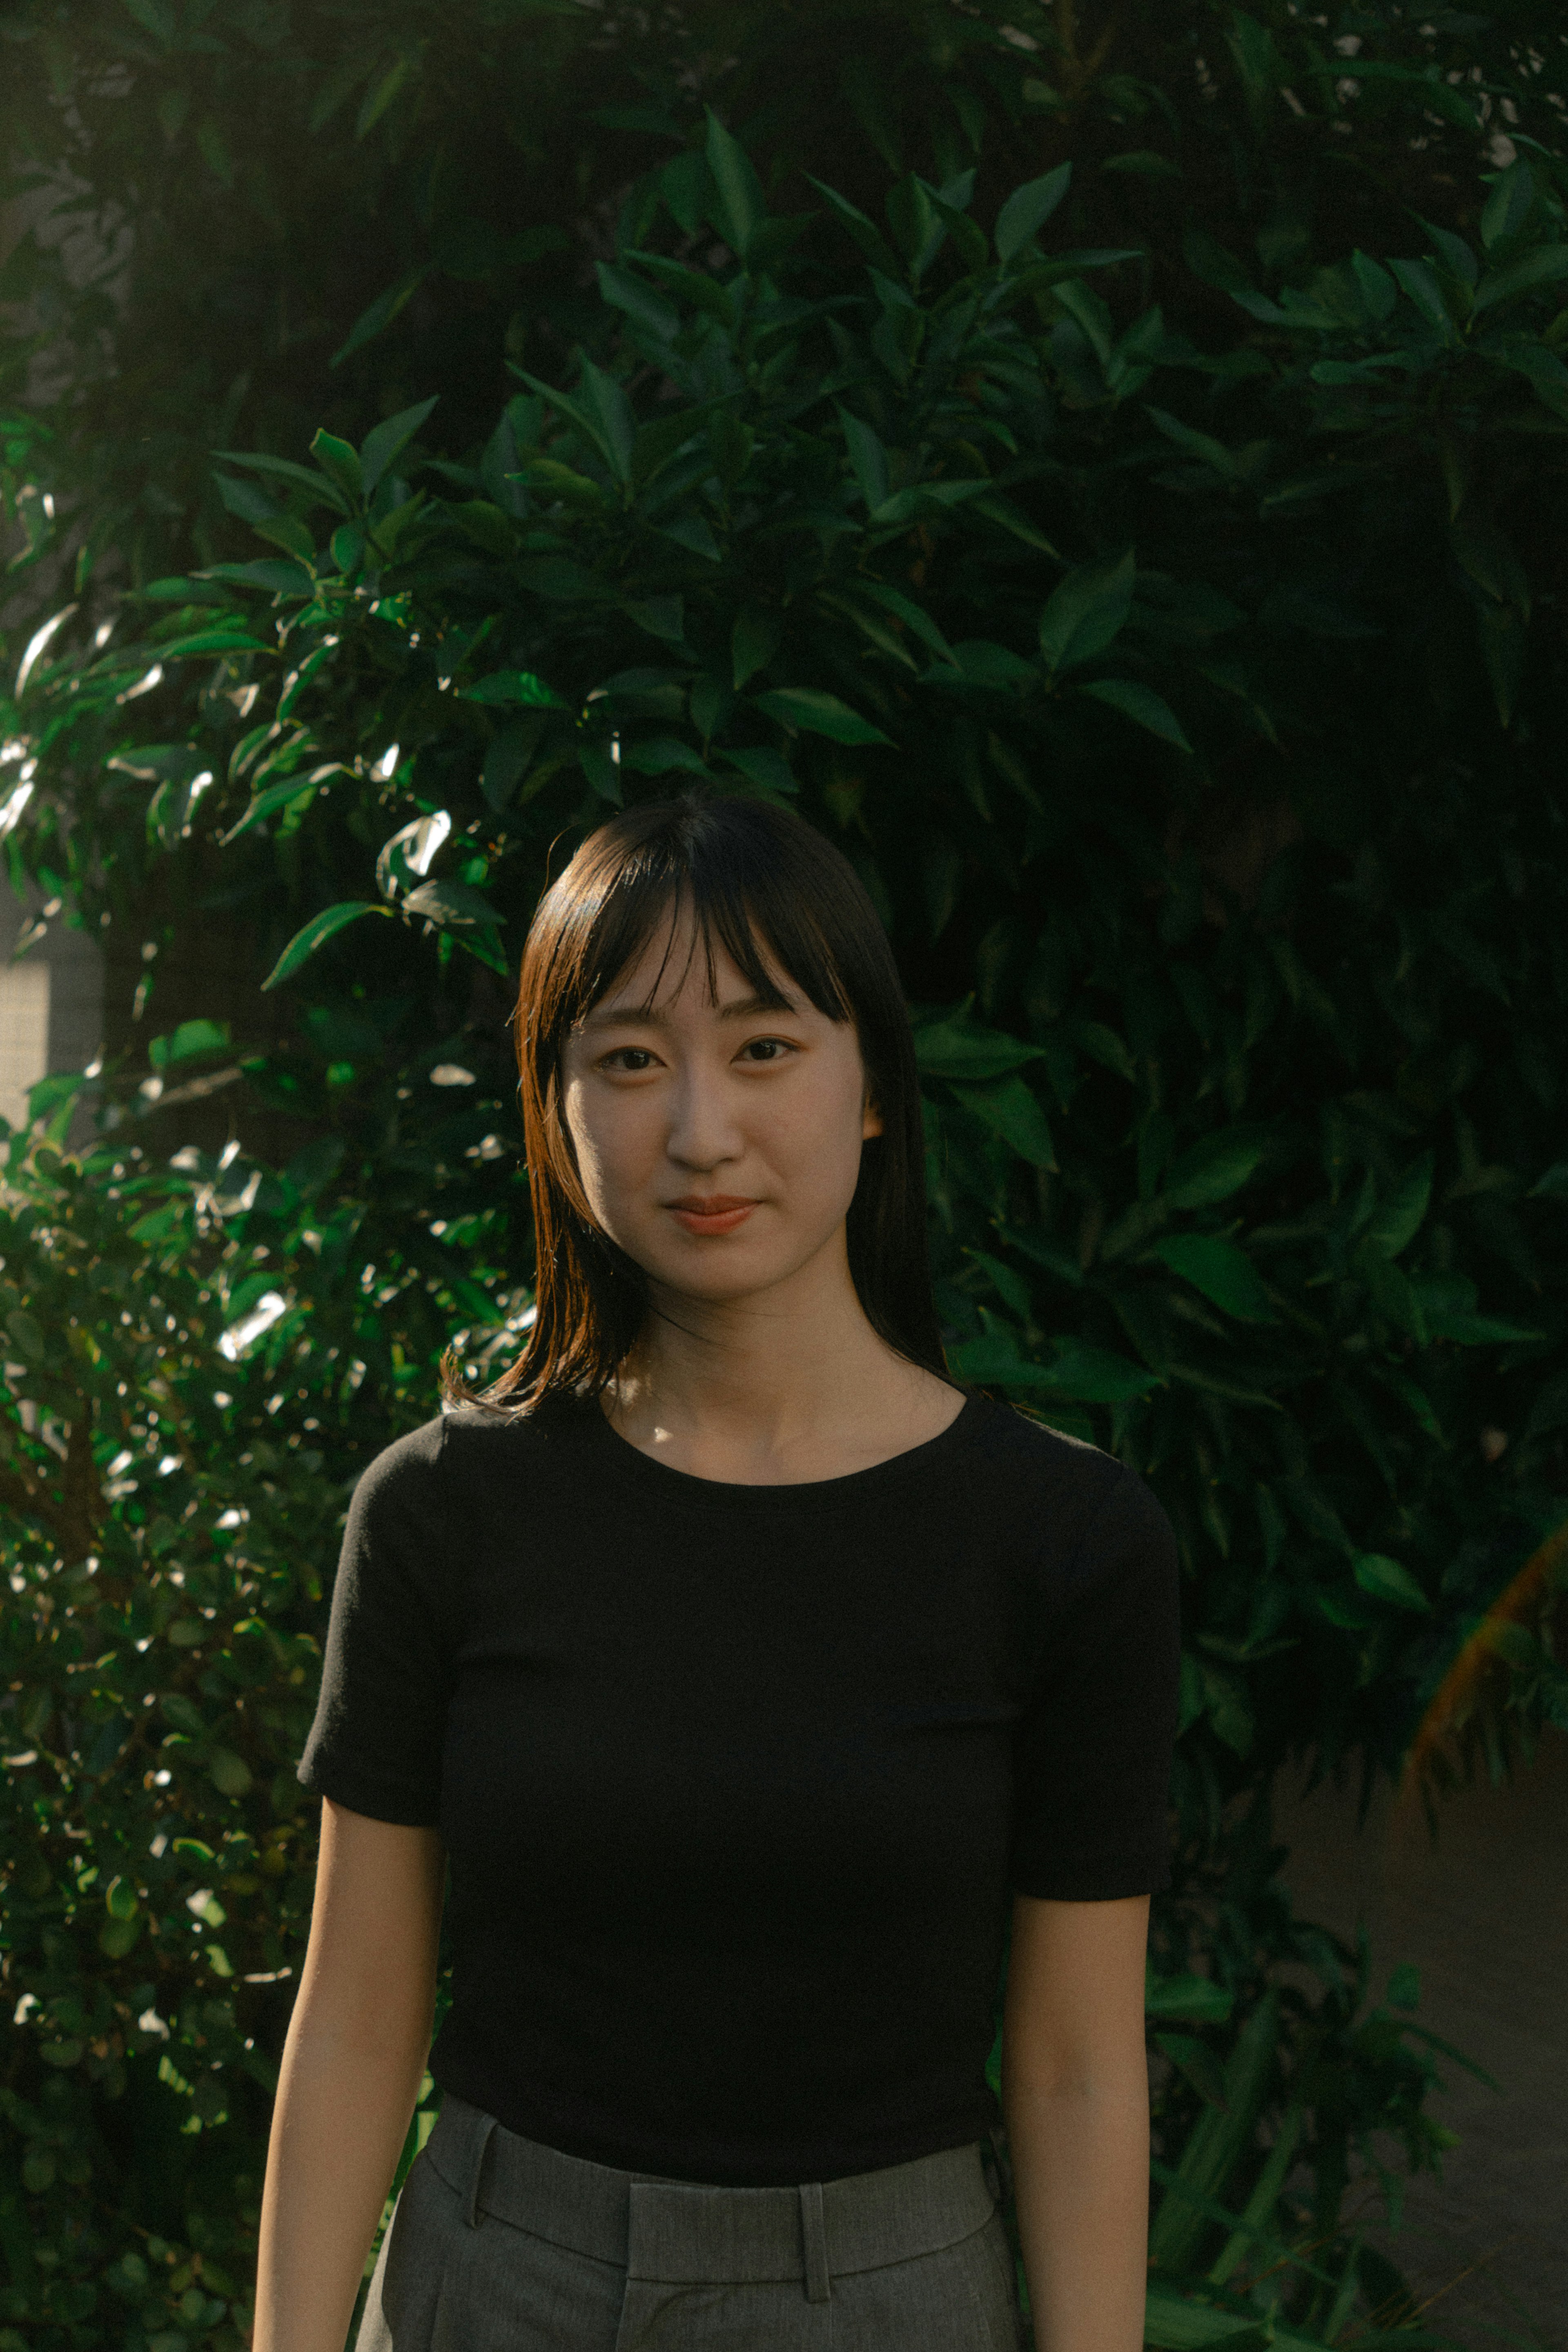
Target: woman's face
{"x": 719, "y": 1139}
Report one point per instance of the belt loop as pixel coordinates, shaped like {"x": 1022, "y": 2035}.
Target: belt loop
{"x": 477, "y": 2167}
{"x": 814, "y": 2240}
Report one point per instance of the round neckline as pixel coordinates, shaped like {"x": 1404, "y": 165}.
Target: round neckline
{"x": 721, "y": 1494}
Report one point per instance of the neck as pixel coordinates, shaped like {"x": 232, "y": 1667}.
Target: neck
{"x": 767, "y": 1386}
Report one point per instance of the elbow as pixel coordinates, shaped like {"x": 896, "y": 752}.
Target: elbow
{"x": 1079, "y": 2077}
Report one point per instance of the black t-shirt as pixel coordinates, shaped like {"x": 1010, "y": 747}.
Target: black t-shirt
{"x": 736, "y": 1781}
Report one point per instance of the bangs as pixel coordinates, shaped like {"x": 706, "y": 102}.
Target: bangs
{"x": 736, "y": 906}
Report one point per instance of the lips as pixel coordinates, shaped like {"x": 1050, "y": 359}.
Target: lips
{"x": 717, "y": 1212}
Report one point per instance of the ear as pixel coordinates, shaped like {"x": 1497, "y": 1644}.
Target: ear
{"x": 871, "y": 1120}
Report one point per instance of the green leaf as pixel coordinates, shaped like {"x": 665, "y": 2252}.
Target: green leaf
{"x": 661, "y": 616}
{"x": 1412, "y": 1394}
{"x": 631, "y": 294}
{"x": 287, "y": 532}
{"x": 1218, "y": 2141}
{"x": 1026, "y": 210}
{"x": 705, "y": 293}
{"x": 1175, "y": 2321}
{"x": 865, "y": 233}
{"x": 614, "y": 428}
{"x": 1142, "y": 705}
{"x": 1007, "y": 1105}
{"x": 809, "y": 710}
{"x": 1386, "y": 1580}
{"x": 913, "y": 616}
{"x": 1005, "y": 1281}
{"x": 960, "y": 1049}
{"x": 1202, "y": 445}
{"x": 1196, "y": 1998}
{"x": 320, "y": 929}
{"x": 506, "y": 685}
{"x": 190, "y": 1039}
{"x": 765, "y": 767}
{"x": 229, "y": 1772}
{"x": 270, "y": 572}
{"x": 1546, "y": 266}
{"x": 378, "y": 315}
{"x": 381, "y": 448}
{"x": 1086, "y": 612}
{"x": 603, "y": 771}
{"x": 1420, "y": 284}
{"x": 560, "y": 579}
{"x": 506, "y": 760}
{"x": 1098, "y": 1039}
{"x": 921, "y": 497}
{"x": 1399, "y": 1219}
{"x": 320, "y": 491}
{"x": 656, "y": 445}
{"x": 1077, "y": 1374}
{"x": 1215, "y": 1169}
{"x": 1221, "y": 1271}
{"x": 1404, "y": 1988}
{"x": 1097, "y": 1376}
{"x": 1143, "y": 163}
{"x": 213, "y": 641}
{"x": 991, "y": 1362}
{"x": 1011, "y": 519}
{"x": 664, "y": 755}
{"x": 453, "y": 905}
{"x": 868, "y": 458}
{"x": 753, "y": 641}
{"x": 1509, "y": 206}
{"x": 339, "y": 459}
{"x": 1198, "y": 2061}
{"x": 267, "y": 804}
{"x": 1209, "y": 261}
{"x": 742, "y": 207}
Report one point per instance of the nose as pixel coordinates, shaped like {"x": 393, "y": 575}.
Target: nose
{"x": 704, "y": 1133}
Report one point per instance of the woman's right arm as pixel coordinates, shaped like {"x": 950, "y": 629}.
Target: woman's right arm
{"x": 351, "y": 2066}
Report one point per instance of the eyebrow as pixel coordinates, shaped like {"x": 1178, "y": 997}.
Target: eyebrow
{"x": 643, "y": 1016}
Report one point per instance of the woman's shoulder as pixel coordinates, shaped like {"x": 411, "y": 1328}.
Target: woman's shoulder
{"x": 426, "y": 1466}
{"x": 1077, "y": 1492}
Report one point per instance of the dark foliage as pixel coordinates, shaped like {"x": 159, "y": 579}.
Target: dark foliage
{"x": 1120, "y": 507}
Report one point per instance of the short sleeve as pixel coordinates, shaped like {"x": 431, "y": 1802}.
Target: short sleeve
{"x": 1093, "y": 1762}
{"x": 381, "y": 1720}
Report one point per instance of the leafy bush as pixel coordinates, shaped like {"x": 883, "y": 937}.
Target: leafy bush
{"x": 1171, "y": 671}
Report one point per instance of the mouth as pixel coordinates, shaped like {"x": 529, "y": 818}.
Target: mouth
{"x": 720, "y": 1213}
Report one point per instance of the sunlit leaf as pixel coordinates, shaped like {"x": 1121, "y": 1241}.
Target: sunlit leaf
{"x": 316, "y": 932}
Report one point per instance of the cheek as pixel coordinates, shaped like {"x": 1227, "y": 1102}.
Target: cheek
{"x": 819, "y": 1141}
{"x": 599, "y": 1140}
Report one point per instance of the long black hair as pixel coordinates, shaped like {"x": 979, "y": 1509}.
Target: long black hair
{"x": 781, "y": 902}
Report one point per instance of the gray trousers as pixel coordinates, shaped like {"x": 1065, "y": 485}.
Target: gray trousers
{"x": 499, "y": 2245}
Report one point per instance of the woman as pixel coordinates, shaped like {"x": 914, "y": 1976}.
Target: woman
{"x": 746, "y": 1672}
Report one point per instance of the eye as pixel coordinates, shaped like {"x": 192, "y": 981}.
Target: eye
{"x": 765, "y": 1049}
{"x": 631, "y": 1059}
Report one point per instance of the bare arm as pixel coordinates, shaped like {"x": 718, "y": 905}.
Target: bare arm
{"x": 1075, "y": 2092}
{"x": 351, "y": 2067}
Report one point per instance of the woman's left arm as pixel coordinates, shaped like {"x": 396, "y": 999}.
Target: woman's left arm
{"x": 1075, "y": 2094}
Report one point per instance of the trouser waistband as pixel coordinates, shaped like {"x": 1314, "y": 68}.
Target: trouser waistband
{"x": 682, "y": 2232}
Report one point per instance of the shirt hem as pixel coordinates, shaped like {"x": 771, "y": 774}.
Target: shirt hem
{"x": 359, "y": 1797}
{"x": 708, "y": 2164}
